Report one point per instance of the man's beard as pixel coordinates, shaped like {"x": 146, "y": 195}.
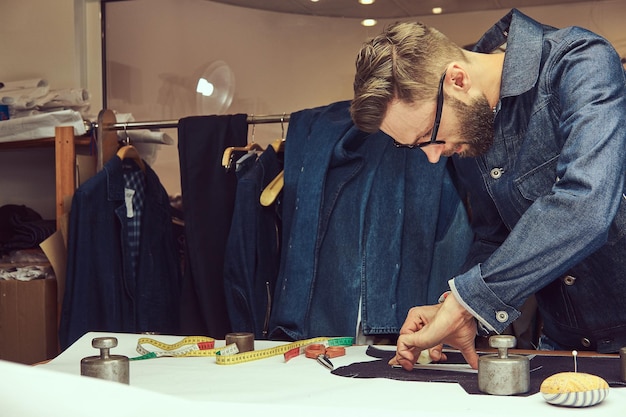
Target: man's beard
{"x": 476, "y": 125}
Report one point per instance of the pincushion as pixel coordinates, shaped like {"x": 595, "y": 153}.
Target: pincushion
{"x": 574, "y": 389}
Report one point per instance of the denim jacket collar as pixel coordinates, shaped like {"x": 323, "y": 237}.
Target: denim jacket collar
{"x": 521, "y": 66}
{"x": 114, "y": 169}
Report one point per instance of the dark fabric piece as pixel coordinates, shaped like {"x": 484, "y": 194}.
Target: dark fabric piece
{"x": 541, "y": 367}
{"x": 12, "y": 213}
{"x": 208, "y": 194}
{"x": 22, "y": 228}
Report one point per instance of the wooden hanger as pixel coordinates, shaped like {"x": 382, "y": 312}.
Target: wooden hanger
{"x": 278, "y": 145}
{"x": 128, "y": 151}
{"x": 227, "y": 158}
{"x": 271, "y": 192}
{"x": 273, "y": 189}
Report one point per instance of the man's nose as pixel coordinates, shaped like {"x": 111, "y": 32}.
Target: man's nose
{"x": 433, "y": 153}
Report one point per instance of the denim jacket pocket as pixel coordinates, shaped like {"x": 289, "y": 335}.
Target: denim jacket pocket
{"x": 538, "y": 181}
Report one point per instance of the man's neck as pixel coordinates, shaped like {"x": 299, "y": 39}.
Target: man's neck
{"x": 488, "y": 73}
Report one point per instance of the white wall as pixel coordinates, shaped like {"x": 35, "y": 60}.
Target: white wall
{"x": 282, "y": 62}
{"x": 58, "y": 40}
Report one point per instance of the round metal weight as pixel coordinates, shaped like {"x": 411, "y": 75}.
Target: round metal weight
{"x": 106, "y": 366}
{"x": 501, "y": 373}
{"x": 244, "y": 341}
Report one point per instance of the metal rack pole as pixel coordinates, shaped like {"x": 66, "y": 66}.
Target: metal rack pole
{"x": 164, "y": 124}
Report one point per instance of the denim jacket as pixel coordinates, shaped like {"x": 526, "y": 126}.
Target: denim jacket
{"x": 103, "y": 292}
{"x": 548, "y": 198}
{"x": 366, "y": 226}
{"x": 252, "y": 253}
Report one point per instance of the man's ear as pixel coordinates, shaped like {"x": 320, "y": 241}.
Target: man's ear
{"x": 458, "y": 77}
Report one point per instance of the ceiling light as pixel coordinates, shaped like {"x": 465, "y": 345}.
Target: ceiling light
{"x": 437, "y": 10}
{"x": 368, "y": 22}
{"x": 366, "y": 1}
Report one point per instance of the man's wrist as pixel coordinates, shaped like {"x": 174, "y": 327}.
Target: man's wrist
{"x": 481, "y": 329}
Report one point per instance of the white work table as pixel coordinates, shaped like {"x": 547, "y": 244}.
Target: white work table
{"x": 266, "y": 387}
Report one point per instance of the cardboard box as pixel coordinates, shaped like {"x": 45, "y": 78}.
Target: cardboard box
{"x": 28, "y": 320}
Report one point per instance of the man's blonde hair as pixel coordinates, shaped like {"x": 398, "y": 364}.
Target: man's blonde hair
{"x": 405, "y": 62}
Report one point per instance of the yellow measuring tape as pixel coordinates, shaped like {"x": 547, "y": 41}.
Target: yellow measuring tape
{"x": 188, "y": 346}
{"x": 229, "y": 354}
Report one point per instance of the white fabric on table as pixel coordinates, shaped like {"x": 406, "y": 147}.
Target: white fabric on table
{"x": 298, "y": 388}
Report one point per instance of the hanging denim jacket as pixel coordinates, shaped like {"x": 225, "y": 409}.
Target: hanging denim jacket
{"x": 252, "y": 253}
{"x": 365, "y": 225}
{"x": 107, "y": 288}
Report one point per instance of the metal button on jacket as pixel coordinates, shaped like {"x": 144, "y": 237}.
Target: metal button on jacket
{"x": 502, "y": 316}
{"x": 585, "y": 342}
{"x": 569, "y": 280}
{"x": 496, "y": 173}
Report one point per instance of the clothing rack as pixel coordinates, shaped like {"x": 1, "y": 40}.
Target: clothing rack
{"x": 106, "y": 128}
{"x": 164, "y": 124}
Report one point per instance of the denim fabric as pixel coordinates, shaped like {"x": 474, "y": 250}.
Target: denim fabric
{"x": 548, "y": 198}
{"x": 101, "y": 292}
{"x": 208, "y": 194}
{"x": 252, "y": 251}
{"x": 362, "y": 221}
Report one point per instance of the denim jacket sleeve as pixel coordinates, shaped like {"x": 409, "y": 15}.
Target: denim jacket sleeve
{"x": 560, "y": 141}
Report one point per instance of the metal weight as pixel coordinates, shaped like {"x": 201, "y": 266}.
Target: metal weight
{"x": 106, "y": 366}
{"x": 501, "y": 373}
{"x": 244, "y": 341}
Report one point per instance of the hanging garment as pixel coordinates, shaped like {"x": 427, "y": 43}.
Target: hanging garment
{"x": 122, "y": 267}
{"x": 253, "y": 249}
{"x": 365, "y": 224}
{"x": 208, "y": 194}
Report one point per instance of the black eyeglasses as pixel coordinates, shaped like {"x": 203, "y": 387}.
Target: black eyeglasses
{"x": 433, "y": 137}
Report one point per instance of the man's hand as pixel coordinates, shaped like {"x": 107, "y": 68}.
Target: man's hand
{"x": 429, "y": 327}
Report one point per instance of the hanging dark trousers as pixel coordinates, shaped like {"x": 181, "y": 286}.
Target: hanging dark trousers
{"x": 208, "y": 194}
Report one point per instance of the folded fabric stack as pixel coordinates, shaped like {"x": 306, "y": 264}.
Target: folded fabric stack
{"x": 33, "y": 96}
{"x": 22, "y": 228}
